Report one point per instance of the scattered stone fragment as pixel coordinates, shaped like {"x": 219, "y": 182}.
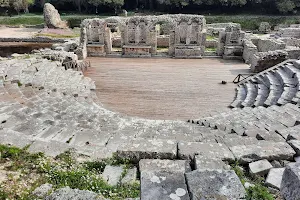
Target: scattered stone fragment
{"x": 247, "y": 185}
{"x": 164, "y": 165}
{"x": 187, "y": 150}
{"x": 130, "y": 176}
{"x": 112, "y": 174}
{"x": 290, "y": 184}
{"x": 260, "y": 167}
{"x": 214, "y": 184}
{"x": 163, "y": 185}
{"x": 274, "y": 177}
{"x": 209, "y": 163}
{"x": 52, "y": 17}
{"x": 43, "y": 190}
{"x": 74, "y": 194}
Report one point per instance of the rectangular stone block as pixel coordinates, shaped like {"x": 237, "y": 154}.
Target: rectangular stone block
{"x": 163, "y": 185}
{"x": 96, "y": 50}
{"x": 263, "y": 150}
{"x": 138, "y": 149}
{"x": 187, "y": 150}
{"x": 214, "y": 184}
{"x": 164, "y": 165}
{"x": 209, "y": 163}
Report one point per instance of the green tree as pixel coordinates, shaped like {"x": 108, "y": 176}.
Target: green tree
{"x": 285, "y": 6}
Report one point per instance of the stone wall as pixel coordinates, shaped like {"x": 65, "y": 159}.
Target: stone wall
{"x": 249, "y": 50}
{"x": 263, "y": 60}
{"x": 270, "y": 44}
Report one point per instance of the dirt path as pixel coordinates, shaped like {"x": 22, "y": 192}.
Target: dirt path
{"x": 6, "y": 32}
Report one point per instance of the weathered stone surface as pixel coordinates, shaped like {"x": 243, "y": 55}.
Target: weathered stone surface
{"x": 214, "y": 184}
{"x": 74, "y": 194}
{"x": 52, "y": 17}
{"x": 202, "y": 162}
{"x": 112, "y": 174}
{"x": 130, "y": 176}
{"x": 290, "y": 184}
{"x": 260, "y": 167}
{"x": 164, "y": 165}
{"x": 187, "y": 150}
{"x": 43, "y": 190}
{"x": 263, "y": 150}
{"x": 138, "y": 149}
{"x": 163, "y": 185}
{"x": 264, "y": 27}
{"x": 274, "y": 177}
{"x": 50, "y": 148}
{"x": 295, "y": 144}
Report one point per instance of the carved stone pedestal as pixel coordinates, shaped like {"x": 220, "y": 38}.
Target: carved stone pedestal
{"x": 95, "y": 50}
{"x": 136, "y": 51}
{"x": 183, "y": 51}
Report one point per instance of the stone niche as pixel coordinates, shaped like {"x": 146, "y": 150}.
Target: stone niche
{"x": 98, "y": 37}
{"x": 137, "y": 38}
{"x": 231, "y": 42}
{"x": 189, "y": 36}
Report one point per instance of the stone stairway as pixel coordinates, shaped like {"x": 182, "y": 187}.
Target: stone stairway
{"x": 276, "y": 86}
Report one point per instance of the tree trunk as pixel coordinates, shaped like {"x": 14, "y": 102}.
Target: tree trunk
{"x": 96, "y": 9}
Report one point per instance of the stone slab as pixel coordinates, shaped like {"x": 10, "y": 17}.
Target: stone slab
{"x": 202, "y": 162}
{"x": 180, "y": 166}
{"x": 163, "y": 185}
{"x": 130, "y": 176}
{"x": 260, "y": 167}
{"x": 139, "y": 148}
{"x": 263, "y": 150}
{"x": 49, "y": 148}
{"x": 112, "y": 174}
{"x": 214, "y": 184}
{"x": 187, "y": 150}
{"x": 274, "y": 177}
{"x": 295, "y": 144}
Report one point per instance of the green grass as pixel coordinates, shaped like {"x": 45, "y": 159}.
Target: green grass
{"x": 51, "y": 35}
{"x": 258, "y": 191}
{"x": 211, "y": 49}
{"x": 210, "y": 37}
{"x": 62, "y": 171}
{"x": 248, "y": 22}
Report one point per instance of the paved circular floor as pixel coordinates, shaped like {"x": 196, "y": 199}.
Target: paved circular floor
{"x": 165, "y": 88}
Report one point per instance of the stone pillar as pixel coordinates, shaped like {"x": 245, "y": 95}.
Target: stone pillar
{"x": 153, "y": 41}
{"x": 188, "y": 35}
{"x": 107, "y": 40}
{"x": 172, "y": 43}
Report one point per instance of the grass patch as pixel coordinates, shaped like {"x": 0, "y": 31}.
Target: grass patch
{"x": 211, "y": 49}
{"x": 258, "y": 190}
{"x": 210, "y": 37}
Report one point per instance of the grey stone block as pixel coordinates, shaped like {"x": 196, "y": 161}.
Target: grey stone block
{"x": 290, "y": 184}
{"x": 202, "y": 162}
{"x": 187, "y": 150}
{"x": 130, "y": 176}
{"x": 163, "y": 185}
{"x": 112, "y": 174}
{"x": 260, "y": 167}
{"x": 180, "y": 166}
{"x": 274, "y": 177}
{"x": 43, "y": 190}
{"x": 50, "y": 148}
{"x": 214, "y": 184}
{"x": 140, "y": 148}
{"x": 74, "y": 194}
{"x": 263, "y": 150}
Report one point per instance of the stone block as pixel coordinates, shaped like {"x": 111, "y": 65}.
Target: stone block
{"x": 290, "y": 184}
{"x": 274, "y": 177}
{"x": 112, "y": 174}
{"x": 202, "y": 162}
{"x": 260, "y": 167}
{"x": 214, "y": 184}
{"x": 263, "y": 150}
{"x": 140, "y": 148}
{"x": 163, "y": 185}
{"x": 74, "y": 194}
{"x": 180, "y": 166}
{"x": 49, "y": 148}
{"x": 187, "y": 150}
{"x": 130, "y": 176}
